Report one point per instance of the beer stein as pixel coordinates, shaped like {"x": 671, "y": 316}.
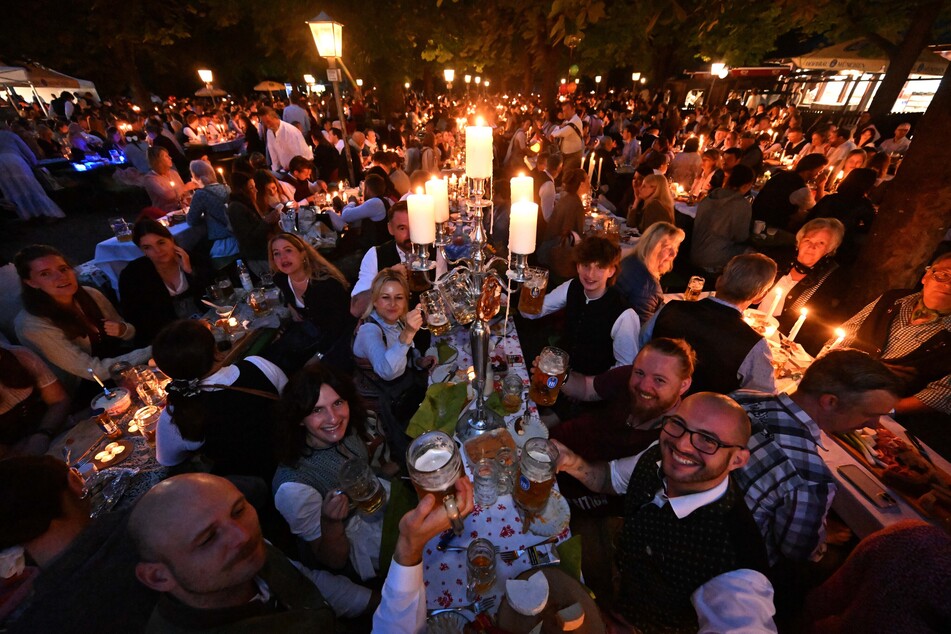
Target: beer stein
{"x": 532, "y": 296}
{"x": 361, "y": 486}
{"x": 454, "y": 288}
{"x": 434, "y": 465}
{"x": 435, "y": 313}
{"x": 536, "y": 474}
{"x": 548, "y": 376}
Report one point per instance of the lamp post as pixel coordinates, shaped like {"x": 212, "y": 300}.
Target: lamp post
{"x": 449, "y": 74}
{"x": 310, "y": 81}
{"x": 328, "y": 36}
{"x": 597, "y": 83}
{"x": 635, "y": 77}
{"x": 206, "y": 76}
{"x": 468, "y": 80}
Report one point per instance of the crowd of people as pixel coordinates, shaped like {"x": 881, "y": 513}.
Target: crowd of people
{"x": 670, "y": 421}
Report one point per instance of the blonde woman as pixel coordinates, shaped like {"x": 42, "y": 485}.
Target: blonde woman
{"x": 391, "y": 373}
{"x": 638, "y": 281}
{"x": 653, "y": 203}
{"x": 316, "y": 292}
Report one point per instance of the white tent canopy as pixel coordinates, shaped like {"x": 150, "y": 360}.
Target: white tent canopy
{"x": 859, "y": 55}
{"x": 45, "y": 82}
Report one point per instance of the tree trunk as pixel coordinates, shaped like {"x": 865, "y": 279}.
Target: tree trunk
{"x": 916, "y": 212}
{"x": 902, "y": 58}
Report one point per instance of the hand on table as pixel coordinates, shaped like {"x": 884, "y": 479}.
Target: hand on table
{"x": 426, "y": 521}
{"x": 427, "y": 363}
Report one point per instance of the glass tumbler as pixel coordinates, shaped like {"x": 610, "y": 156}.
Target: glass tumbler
{"x": 485, "y": 482}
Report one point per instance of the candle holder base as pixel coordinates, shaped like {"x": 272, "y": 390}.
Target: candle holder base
{"x": 519, "y": 271}
{"x": 419, "y": 258}
{"x": 477, "y": 420}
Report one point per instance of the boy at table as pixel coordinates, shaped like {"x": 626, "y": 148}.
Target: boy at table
{"x": 200, "y": 545}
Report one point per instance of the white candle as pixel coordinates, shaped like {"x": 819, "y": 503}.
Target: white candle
{"x": 523, "y": 189}
{"x": 438, "y": 188}
{"x": 777, "y": 297}
{"x": 522, "y": 226}
{"x": 839, "y": 338}
{"x": 798, "y": 325}
{"x": 479, "y": 151}
{"x": 422, "y": 218}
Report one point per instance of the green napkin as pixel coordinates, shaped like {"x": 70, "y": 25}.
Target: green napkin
{"x": 402, "y": 499}
{"x": 439, "y": 410}
{"x": 569, "y": 551}
{"x": 444, "y": 352}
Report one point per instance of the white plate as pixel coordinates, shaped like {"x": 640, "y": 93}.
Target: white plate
{"x": 533, "y": 428}
{"x": 554, "y": 519}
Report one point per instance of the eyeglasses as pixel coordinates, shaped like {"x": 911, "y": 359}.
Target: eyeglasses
{"x": 942, "y": 277}
{"x": 675, "y": 426}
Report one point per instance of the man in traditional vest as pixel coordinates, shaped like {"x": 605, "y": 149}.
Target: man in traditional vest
{"x": 200, "y": 545}
{"x": 911, "y": 333}
{"x": 689, "y": 555}
{"x": 730, "y": 354}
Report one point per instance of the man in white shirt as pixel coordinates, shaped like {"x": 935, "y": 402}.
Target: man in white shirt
{"x": 900, "y": 143}
{"x": 690, "y": 555}
{"x": 839, "y": 147}
{"x": 200, "y": 545}
{"x": 284, "y": 141}
{"x": 297, "y": 115}
{"x": 570, "y": 135}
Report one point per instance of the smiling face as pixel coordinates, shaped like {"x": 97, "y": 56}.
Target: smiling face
{"x": 159, "y": 249}
{"x": 392, "y": 302}
{"x": 52, "y": 275}
{"x": 594, "y": 277}
{"x": 656, "y": 384}
{"x": 328, "y": 421}
{"x": 814, "y": 246}
{"x": 287, "y": 258}
{"x": 689, "y": 470}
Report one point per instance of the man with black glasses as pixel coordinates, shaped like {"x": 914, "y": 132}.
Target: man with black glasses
{"x": 690, "y": 555}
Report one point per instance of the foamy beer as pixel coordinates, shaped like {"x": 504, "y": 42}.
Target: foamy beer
{"x": 550, "y": 374}
{"x": 536, "y": 474}
{"x": 435, "y": 312}
{"x": 532, "y": 296}
{"x": 434, "y": 465}
{"x": 362, "y": 486}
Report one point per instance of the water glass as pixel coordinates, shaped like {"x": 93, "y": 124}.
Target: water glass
{"x": 508, "y": 468}
{"x": 480, "y": 568}
{"x": 512, "y": 392}
{"x": 485, "y": 482}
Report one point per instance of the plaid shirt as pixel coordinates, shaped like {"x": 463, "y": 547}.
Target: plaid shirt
{"x": 787, "y": 485}
{"x": 903, "y": 338}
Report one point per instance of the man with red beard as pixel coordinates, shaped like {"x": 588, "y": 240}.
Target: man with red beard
{"x": 690, "y": 556}
{"x": 631, "y": 419}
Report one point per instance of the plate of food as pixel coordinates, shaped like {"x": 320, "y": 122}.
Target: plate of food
{"x": 762, "y": 323}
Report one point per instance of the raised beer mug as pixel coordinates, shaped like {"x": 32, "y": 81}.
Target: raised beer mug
{"x": 436, "y": 316}
{"x": 361, "y": 485}
{"x": 536, "y": 474}
{"x": 455, "y": 290}
{"x": 531, "y": 298}
{"x": 434, "y": 465}
{"x": 548, "y": 377}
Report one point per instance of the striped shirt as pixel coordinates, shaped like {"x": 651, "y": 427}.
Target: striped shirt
{"x": 904, "y": 338}
{"x": 787, "y": 485}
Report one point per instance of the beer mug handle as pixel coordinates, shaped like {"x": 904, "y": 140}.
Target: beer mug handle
{"x": 422, "y": 312}
{"x": 452, "y": 510}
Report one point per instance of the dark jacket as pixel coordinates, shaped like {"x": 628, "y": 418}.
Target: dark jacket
{"x": 822, "y": 291}
{"x": 638, "y": 288}
{"x": 249, "y": 228}
{"x": 146, "y": 303}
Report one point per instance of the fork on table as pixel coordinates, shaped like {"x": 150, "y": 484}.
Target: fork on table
{"x": 476, "y": 607}
{"x": 509, "y": 556}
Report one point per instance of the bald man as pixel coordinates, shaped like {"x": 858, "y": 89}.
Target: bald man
{"x": 687, "y": 537}
{"x": 200, "y": 544}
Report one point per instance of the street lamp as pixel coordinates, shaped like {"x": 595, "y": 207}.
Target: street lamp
{"x": 449, "y": 74}
{"x": 717, "y": 69}
{"x": 360, "y": 83}
{"x": 206, "y": 76}
{"x": 406, "y": 85}
{"x": 597, "y": 81}
{"x": 635, "y": 76}
{"x": 468, "y": 79}
{"x": 328, "y": 37}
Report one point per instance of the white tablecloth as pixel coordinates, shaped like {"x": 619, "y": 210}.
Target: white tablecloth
{"x": 113, "y": 256}
{"x": 444, "y": 573}
{"x": 685, "y": 209}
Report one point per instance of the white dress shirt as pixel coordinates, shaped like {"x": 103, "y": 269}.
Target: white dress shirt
{"x": 287, "y": 143}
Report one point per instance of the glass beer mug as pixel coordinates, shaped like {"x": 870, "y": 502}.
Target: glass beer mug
{"x": 434, "y": 465}
{"x": 547, "y": 379}
{"x": 435, "y": 313}
{"x": 536, "y": 475}
{"x": 531, "y": 299}
{"x": 454, "y": 288}
{"x": 362, "y": 486}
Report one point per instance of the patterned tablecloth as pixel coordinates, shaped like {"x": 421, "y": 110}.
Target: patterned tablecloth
{"x": 445, "y": 572}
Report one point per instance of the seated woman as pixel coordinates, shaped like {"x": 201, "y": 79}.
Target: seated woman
{"x": 391, "y": 372}
{"x": 653, "y": 204}
{"x": 163, "y": 184}
{"x": 251, "y": 227}
{"x": 33, "y": 403}
{"x": 567, "y": 216}
{"x": 72, "y": 327}
{"x": 600, "y": 331}
{"x": 317, "y": 293}
{"x": 812, "y": 280}
{"x": 222, "y": 413}
{"x": 210, "y": 207}
{"x": 639, "y": 279}
{"x": 159, "y": 287}
{"x": 272, "y": 192}
{"x": 321, "y": 424}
